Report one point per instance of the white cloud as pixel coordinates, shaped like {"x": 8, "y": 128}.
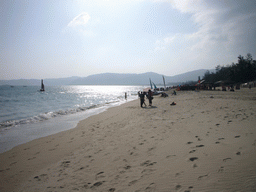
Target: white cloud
{"x": 219, "y": 22}
{"x": 82, "y": 25}
{"x": 166, "y": 42}
{"x": 223, "y": 27}
{"x": 80, "y": 20}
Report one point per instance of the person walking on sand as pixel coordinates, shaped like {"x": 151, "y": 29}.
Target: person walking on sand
{"x": 142, "y": 99}
{"x": 150, "y": 97}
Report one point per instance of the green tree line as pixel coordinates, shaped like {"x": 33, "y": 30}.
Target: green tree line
{"x": 241, "y": 72}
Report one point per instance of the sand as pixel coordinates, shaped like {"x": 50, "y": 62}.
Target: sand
{"x": 206, "y": 142}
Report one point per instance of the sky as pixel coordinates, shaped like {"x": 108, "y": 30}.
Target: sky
{"x": 57, "y": 39}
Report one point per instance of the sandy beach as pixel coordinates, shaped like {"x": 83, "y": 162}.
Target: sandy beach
{"x": 206, "y": 142}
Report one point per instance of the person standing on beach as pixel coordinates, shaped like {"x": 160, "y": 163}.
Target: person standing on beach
{"x": 142, "y": 99}
{"x": 150, "y": 97}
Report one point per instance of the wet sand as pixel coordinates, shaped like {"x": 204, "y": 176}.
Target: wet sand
{"x": 206, "y": 142}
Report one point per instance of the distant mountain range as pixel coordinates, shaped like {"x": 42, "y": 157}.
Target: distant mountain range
{"x": 112, "y": 79}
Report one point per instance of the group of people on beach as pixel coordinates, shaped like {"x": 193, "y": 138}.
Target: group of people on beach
{"x": 149, "y": 96}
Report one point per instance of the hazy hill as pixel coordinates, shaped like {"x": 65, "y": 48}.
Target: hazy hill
{"x": 112, "y": 79}
{"x": 138, "y": 79}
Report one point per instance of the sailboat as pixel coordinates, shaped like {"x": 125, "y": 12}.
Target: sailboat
{"x": 155, "y": 92}
{"x": 164, "y": 83}
{"x": 42, "y": 85}
{"x": 155, "y": 88}
{"x": 151, "y": 86}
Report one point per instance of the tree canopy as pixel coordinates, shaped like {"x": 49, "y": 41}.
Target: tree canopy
{"x": 241, "y": 72}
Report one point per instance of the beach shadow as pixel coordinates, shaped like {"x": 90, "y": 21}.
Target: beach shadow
{"x": 150, "y": 107}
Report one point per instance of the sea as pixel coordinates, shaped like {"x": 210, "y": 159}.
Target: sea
{"x": 27, "y": 113}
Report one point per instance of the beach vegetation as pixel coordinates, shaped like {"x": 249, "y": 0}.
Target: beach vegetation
{"x": 241, "y": 72}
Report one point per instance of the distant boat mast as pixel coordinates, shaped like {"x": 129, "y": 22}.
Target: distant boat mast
{"x": 42, "y": 85}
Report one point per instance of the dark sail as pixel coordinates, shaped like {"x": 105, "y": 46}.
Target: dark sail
{"x": 42, "y": 85}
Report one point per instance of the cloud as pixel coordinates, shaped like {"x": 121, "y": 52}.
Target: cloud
{"x": 225, "y": 27}
{"x": 219, "y": 22}
{"x": 165, "y": 43}
{"x": 80, "y": 20}
{"x": 81, "y": 25}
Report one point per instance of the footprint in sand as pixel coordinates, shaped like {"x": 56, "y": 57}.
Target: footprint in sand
{"x": 177, "y": 174}
{"x": 151, "y": 187}
{"x": 43, "y": 177}
{"x": 12, "y": 156}
{"x": 192, "y": 151}
{"x": 177, "y": 187}
{"x": 81, "y": 168}
{"x": 65, "y": 163}
{"x": 168, "y": 156}
{"x": 150, "y": 149}
{"x": 127, "y": 167}
{"x": 132, "y": 182}
{"x": 97, "y": 184}
{"x": 189, "y": 142}
{"x": 147, "y": 163}
{"x": 122, "y": 172}
{"x": 199, "y": 145}
{"x": 191, "y": 187}
{"x": 86, "y": 186}
{"x": 200, "y": 177}
{"x": 226, "y": 159}
{"x": 221, "y": 169}
{"x": 193, "y": 158}
{"x": 12, "y": 163}
{"x": 99, "y": 175}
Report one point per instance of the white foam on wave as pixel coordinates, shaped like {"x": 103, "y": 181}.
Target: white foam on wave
{"x": 23, "y": 131}
{"x": 45, "y": 116}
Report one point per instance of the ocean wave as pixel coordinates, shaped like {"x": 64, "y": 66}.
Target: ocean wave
{"x": 46, "y": 116}
{"x": 20, "y": 106}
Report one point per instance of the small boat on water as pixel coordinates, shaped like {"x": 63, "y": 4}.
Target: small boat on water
{"x": 42, "y": 85}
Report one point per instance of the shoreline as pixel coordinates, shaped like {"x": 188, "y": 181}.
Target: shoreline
{"x": 199, "y": 144}
{"x": 14, "y": 136}
{"x": 28, "y": 149}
